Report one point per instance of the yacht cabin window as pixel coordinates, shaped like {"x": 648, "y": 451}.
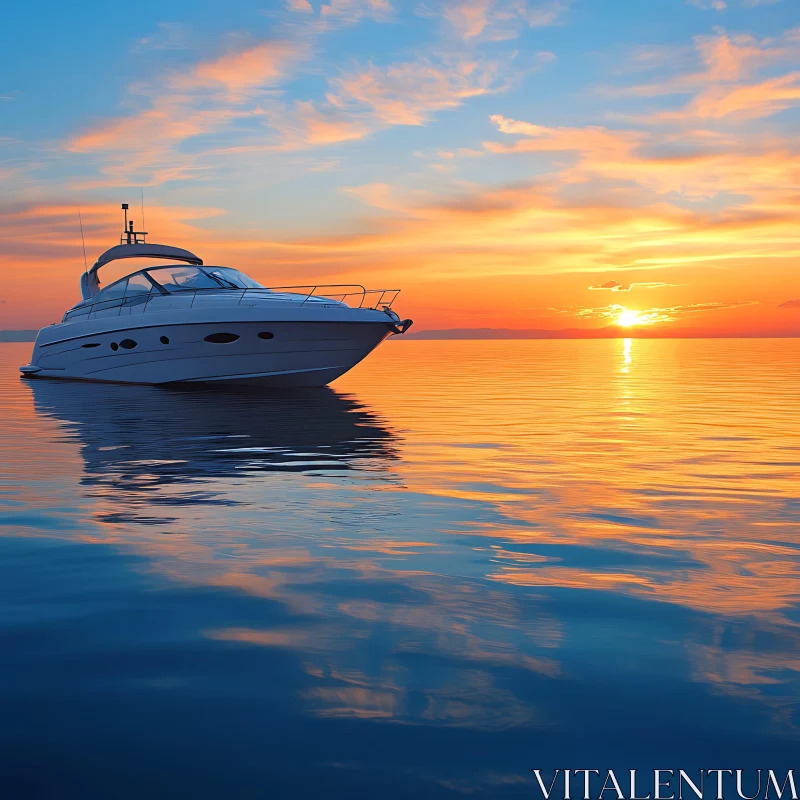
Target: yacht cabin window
{"x": 138, "y": 284}
{"x": 173, "y": 278}
{"x": 112, "y": 292}
{"x": 127, "y": 287}
{"x": 176, "y": 278}
{"x": 228, "y": 275}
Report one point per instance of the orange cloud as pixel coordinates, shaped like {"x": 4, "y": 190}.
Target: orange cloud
{"x": 156, "y": 125}
{"x": 244, "y": 70}
{"x": 696, "y": 163}
{"x": 196, "y": 101}
{"x": 143, "y": 148}
{"x": 602, "y": 143}
{"x": 750, "y": 101}
{"x": 730, "y": 59}
{"x": 723, "y": 88}
{"x": 468, "y": 18}
{"x": 305, "y": 125}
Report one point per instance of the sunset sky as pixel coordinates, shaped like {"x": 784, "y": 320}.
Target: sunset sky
{"x": 507, "y": 163}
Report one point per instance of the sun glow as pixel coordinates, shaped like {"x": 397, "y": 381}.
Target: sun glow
{"x": 628, "y": 318}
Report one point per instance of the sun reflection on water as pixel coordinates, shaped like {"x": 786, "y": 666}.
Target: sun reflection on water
{"x": 627, "y": 354}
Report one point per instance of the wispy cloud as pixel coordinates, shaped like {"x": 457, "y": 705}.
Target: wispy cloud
{"x": 650, "y": 316}
{"x": 611, "y": 314}
{"x": 240, "y": 74}
{"x": 790, "y": 304}
{"x": 539, "y": 138}
{"x": 305, "y": 125}
{"x": 613, "y": 286}
{"x": 616, "y": 286}
{"x": 344, "y": 11}
{"x": 409, "y": 93}
{"x": 499, "y": 19}
{"x": 354, "y": 10}
{"x": 716, "y": 5}
{"x": 750, "y": 101}
{"x": 167, "y": 36}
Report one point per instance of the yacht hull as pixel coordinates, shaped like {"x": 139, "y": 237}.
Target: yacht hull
{"x": 275, "y": 353}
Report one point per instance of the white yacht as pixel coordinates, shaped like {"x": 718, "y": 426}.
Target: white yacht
{"x": 189, "y": 322}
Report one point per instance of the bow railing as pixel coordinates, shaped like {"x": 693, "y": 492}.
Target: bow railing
{"x": 352, "y": 295}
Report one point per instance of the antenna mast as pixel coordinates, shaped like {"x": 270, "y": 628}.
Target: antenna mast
{"x": 83, "y": 242}
{"x": 125, "y": 226}
{"x": 129, "y": 235}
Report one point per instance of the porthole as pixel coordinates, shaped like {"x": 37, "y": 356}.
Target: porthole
{"x": 114, "y": 346}
{"x": 266, "y": 335}
{"x": 91, "y": 344}
{"x": 164, "y": 340}
{"x": 221, "y": 338}
{"x": 128, "y": 344}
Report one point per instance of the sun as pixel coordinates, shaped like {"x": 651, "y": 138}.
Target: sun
{"x": 628, "y": 318}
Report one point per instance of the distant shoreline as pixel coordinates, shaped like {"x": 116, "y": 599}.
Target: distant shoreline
{"x": 18, "y": 336}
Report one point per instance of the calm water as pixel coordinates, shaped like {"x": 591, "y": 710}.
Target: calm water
{"x": 467, "y": 560}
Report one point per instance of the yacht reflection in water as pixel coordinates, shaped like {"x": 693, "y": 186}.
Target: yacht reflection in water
{"x": 139, "y": 439}
{"x": 342, "y": 577}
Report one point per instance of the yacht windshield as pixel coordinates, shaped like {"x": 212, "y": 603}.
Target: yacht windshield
{"x": 176, "y": 278}
{"x": 232, "y": 276}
